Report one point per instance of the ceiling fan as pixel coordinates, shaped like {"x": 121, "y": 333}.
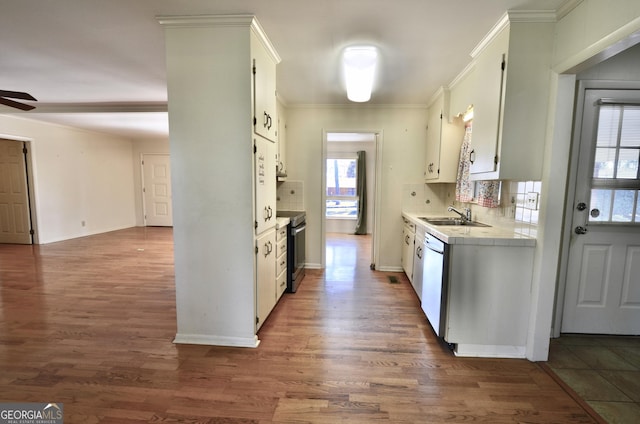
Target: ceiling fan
{"x": 5, "y": 97}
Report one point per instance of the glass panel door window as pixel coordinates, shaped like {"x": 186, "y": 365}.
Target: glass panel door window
{"x": 616, "y": 178}
{"x": 342, "y": 181}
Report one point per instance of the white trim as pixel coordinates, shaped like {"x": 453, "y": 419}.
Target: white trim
{"x": 499, "y": 26}
{"x": 201, "y": 339}
{"x": 520, "y": 16}
{"x": 570, "y": 199}
{"x": 390, "y": 269}
{"x": 532, "y": 16}
{"x": 490, "y": 351}
{"x": 619, "y": 40}
{"x": 358, "y": 106}
{"x": 461, "y": 76}
{"x": 436, "y": 96}
{"x": 241, "y": 20}
{"x": 566, "y": 8}
{"x": 375, "y": 235}
{"x": 375, "y": 243}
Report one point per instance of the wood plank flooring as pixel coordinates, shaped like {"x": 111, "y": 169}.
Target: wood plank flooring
{"x": 90, "y": 322}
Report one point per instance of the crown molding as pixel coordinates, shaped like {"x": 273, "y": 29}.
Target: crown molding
{"x": 203, "y": 21}
{"x": 199, "y": 21}
{"x": 566, "y": 8}
{"x": 513, "y": 16}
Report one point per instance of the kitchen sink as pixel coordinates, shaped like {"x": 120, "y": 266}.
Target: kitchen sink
{"x": 447, "y": 220}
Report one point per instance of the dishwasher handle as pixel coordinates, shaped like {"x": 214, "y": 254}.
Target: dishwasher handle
{"x": 433, "y": 243}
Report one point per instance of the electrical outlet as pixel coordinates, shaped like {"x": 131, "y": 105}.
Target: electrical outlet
{"x": 531, "y": 201}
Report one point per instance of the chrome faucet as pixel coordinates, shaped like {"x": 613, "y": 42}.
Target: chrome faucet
{"x": 466, "y": 216}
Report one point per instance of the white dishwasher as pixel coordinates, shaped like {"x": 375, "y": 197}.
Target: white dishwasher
{"x": 434, "y": 282}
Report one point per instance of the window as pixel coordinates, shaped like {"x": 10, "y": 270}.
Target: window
{"x": 616, "y": 178}
{"x": 342, "y": 195}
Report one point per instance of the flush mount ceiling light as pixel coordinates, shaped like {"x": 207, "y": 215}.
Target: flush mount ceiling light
{"x": 359, "y": 69}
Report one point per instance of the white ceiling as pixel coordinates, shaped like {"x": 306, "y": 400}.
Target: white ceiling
{"x": 100, "y": 64}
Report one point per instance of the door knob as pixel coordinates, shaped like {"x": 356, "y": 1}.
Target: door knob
{"x": 580, "y": 230}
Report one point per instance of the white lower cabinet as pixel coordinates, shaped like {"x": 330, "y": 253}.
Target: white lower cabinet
{"x": 408, "y": 239}
{"x": 489, "y": 297}
{"x": 265, "y": 275}
{"x": 281, "y": 261}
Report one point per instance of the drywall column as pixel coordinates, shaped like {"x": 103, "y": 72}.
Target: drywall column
{"x": 210, "y": 109}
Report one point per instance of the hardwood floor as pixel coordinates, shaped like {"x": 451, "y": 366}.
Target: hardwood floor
{"x": 90, "y": 322}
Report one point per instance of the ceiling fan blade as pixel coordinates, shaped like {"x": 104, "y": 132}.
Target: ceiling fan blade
{"x": 16, "y": 95}
{"x": 16, "y": 105}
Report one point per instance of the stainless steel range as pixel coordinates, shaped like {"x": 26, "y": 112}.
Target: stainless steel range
{"x": 295, "y": 247}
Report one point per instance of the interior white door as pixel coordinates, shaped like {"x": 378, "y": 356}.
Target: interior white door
{"x": 15, "y": 224}
{"x": 603, "y": 277}
{"x": 156, "y": 188}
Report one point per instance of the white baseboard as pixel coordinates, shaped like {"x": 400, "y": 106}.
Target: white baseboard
{"x": 201, "y": 339}
{"x": 490, "y": 351}
{"x": 390, "y": 269}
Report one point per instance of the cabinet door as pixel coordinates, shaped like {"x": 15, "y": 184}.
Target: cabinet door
{"x": 408, "y": 238}
{"x": 265, "y": 275}
{"x": 265, "y": 184}
{"x": 491, "y": 74}
{"x": 282, "y": 141}
{"x": 264, "y": 92}
{"x": 434, "y": 126}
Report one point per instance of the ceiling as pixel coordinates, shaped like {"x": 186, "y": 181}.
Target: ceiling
{"x": 100, "y": 64}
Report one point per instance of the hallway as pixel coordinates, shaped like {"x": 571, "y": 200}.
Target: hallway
{"x": 90, "y": 322}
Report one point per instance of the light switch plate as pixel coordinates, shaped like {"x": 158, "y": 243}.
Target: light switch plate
{"x": 531, "y": 202}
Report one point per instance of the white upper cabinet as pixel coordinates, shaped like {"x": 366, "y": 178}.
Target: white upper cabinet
{"x": 282, "y": 143}
{"x": 510, "y": 95}
{"x": 443, "y": 141}
{"x": 265, "y": 184}
{"x": 265, "y": 121}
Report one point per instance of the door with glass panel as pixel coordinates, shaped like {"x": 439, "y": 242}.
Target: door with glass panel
{"x": 603, "y": 277}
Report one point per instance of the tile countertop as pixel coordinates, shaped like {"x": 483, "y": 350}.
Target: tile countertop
{"x": 495, "y": 235}
{"x": 281, "y": 222}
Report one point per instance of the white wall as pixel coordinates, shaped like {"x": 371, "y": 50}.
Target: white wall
{"x": 141, "y": 147}
{"x": 78, "y": 176}
{"x": 403, "y": 135}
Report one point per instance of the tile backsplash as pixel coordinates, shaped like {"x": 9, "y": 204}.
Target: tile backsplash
{"x": 527, "y": 200}
{"x": 427, "y": 198}
{"x": 519, "y": 207}
{"x": 290, "y": 196}
{"x": 519, "y": 203}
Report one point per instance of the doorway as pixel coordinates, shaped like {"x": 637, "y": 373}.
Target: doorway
{"x": 350, "y": 167}
{"x": 602, "y": 293}
{"x": 15, "y": 200}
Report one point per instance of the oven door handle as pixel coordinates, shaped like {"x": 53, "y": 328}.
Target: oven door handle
{"x": 299, "y": 229}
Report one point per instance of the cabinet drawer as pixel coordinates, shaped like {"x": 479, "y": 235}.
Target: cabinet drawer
{"x": 281, "y": 247}
{"x": 409, "y": 225}
{"x": 281, "y": 265}
{"x": 281, "y": 283}
{"x": 282, "y": 234}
